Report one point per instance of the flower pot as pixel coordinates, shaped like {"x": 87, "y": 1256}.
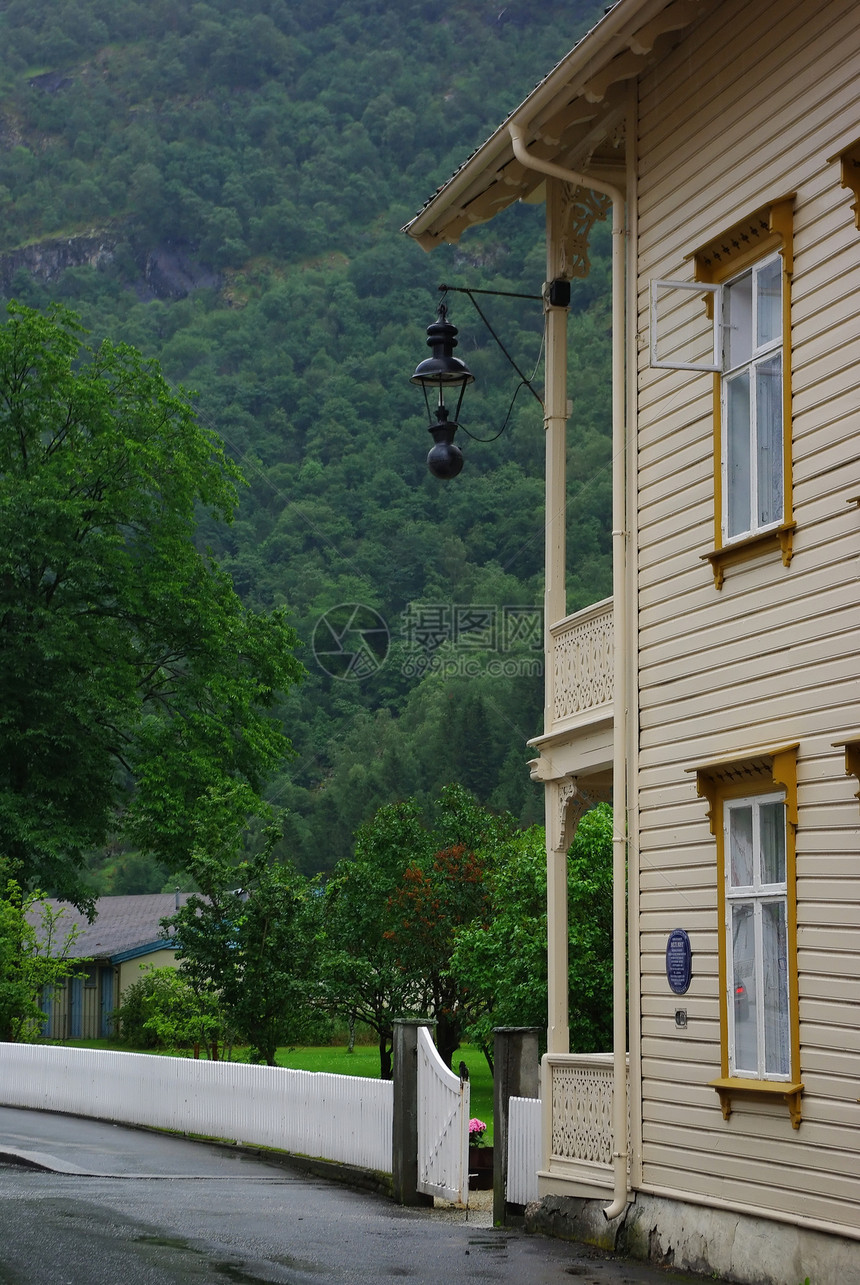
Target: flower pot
{"x": 481, "y": 1168}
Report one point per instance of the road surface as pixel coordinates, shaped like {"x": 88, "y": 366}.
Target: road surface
{"x": 88, "y": 1203}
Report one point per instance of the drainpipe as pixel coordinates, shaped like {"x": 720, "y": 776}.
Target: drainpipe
{"x": 619, "y": 710}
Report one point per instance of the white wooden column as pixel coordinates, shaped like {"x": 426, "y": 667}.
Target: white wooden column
{"x": 555, "y": 608}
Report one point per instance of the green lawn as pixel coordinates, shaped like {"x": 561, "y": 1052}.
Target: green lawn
{"x": 364, "y": 1060}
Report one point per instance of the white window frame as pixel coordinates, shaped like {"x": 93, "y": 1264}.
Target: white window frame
{"x": 700, "y": 288}
{"x": 759, "y": 894}
{"x": 760, "y": 353}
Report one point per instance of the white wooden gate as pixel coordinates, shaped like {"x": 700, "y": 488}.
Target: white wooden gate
{"x": 443, "y": 1126}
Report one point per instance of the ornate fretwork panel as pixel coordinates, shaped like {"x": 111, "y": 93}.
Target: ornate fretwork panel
{"x": 582, "y": 664}
{"x": 582, "y": 1109}
{"x": 581, "y": 209}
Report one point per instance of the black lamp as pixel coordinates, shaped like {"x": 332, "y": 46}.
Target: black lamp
{"x": 443, "y": 371}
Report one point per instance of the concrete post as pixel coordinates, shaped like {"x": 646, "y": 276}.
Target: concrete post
{"x": 516, "y": 1074}
{"x": 405, "y": 1139}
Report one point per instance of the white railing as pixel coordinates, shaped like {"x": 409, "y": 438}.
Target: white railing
{"x": 580, "y": 664}
{"x": 333, "y": 1117}
{"x": 443, "y": 1126}
{"x": 579, "y": 1087}
{"x": 524, "y": 1138}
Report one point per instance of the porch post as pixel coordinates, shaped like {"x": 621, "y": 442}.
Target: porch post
{"x": 555, "y": 604}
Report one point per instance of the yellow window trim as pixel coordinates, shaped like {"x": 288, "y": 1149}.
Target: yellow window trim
{"x": 851, "y": 746}
{"x": 769, "y": 230}
{"x": 849, "y": 161}
{"x": 745, "y": 773}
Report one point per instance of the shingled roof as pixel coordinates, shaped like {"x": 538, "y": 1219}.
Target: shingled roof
{"x": 123, "y": 925}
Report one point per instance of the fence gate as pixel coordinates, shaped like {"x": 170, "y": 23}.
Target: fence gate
{"x": 443, "y": 1126}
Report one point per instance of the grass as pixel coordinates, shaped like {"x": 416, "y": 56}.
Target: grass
{"x": 363, "y": 1061}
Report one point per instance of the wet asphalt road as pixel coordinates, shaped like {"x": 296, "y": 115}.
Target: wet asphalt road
{"x": 117, "y": 1206}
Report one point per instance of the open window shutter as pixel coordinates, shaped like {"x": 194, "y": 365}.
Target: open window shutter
{"x": 684, "y": 334}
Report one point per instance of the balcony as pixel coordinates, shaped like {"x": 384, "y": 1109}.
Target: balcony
{"x": 579, "y": 685}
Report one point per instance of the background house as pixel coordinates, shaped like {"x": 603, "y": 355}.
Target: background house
{"x": 717, "y": 698}
{"x": 122, "y": 940}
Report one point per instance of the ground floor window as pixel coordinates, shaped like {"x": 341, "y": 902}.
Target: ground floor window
{"x": 752, "y": 809}
{"x": 757, "y": 938}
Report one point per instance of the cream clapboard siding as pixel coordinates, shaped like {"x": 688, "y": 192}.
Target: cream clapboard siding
{"x": 747, "y": 109}
{"x": 131, "y": 970}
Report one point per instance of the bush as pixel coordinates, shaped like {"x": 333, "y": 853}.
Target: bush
{"x": 163, "y": 1011}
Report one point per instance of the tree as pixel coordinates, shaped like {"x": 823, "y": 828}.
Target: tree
{"x": 435, "y": 901}
{"x": 362, "y": 971}
{"x": 395, "y": 910}
{"x": 501, "y": 962}
{"x": 589, "y": 877}
{"x": 249, "y": 939}
{"x": 33, "y": 956}
{"x": 134, "y": 680}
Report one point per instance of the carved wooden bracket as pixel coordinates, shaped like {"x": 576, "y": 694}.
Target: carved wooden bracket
{"x": 581, "y": 209}
{"x": 576, "y": 795}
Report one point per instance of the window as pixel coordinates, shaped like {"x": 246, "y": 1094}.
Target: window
{"x": 752, "y": 265}
{"x": 757, "y": 938}
{"x": 753, "y": 816}
{"x": 751, "y": 401}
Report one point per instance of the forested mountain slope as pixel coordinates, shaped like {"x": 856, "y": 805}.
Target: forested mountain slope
{"x": 222, "y": 185}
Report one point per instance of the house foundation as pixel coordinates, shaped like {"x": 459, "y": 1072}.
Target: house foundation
{"x": 694, "y": 1238}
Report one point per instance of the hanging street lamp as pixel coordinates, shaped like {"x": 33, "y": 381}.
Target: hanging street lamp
{"x": 443, "y": 373}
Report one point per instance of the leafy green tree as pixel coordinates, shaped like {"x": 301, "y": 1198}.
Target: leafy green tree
{"x": 361, "y": 965}
{"x": 134, "y": 680}
{"x": 589, "y": 881}
{"x": 501, "y": 961}
{"x": 34, "y": 955}
{"x": 394, "y": 912}
{"x": 249, "y": 938}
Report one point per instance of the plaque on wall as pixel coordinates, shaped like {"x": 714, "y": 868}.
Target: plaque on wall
{"x": 679, "y": 961}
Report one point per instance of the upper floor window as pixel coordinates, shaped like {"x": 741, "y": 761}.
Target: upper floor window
{"x": 743, "y": 337}
{"x": 752, "y": 401}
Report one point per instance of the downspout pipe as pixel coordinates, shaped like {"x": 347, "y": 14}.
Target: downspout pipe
{"x": 620, "y": 631}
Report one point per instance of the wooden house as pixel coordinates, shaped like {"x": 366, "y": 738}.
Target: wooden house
{"x": 123, "y": 939}
{"x": 715, "y": 698}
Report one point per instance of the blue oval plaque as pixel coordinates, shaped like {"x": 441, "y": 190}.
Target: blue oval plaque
{"x": 679, "y": 961}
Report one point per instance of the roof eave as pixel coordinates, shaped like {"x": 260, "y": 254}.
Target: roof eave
{"x": 577, "y": 75}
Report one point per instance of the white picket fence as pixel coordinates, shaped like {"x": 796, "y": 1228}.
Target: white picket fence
{"x": 524, "y": 1148}
{"x": 333, "y": 1117}
{"x": 443, "y": 1125}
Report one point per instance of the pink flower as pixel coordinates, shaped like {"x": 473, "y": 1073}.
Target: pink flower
{"x": 477, "y": 1129}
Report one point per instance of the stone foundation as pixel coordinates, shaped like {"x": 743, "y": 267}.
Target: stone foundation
{"x": 694, "y": 1238}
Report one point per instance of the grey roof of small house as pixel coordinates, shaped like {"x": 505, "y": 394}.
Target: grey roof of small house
{"x": 122, "y": 924}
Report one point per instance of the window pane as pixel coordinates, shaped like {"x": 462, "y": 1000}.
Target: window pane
{"x": 737, "y": 321}
{"x": 743, "y": 989}
{"x": 738, "y": 479}
{"x": 741, "y": 846}
{"x": 775, "y": 949}
{"x": 772, "y": 832}
{"x": 769, "y": 302}
{"x": 768, "y": 377}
